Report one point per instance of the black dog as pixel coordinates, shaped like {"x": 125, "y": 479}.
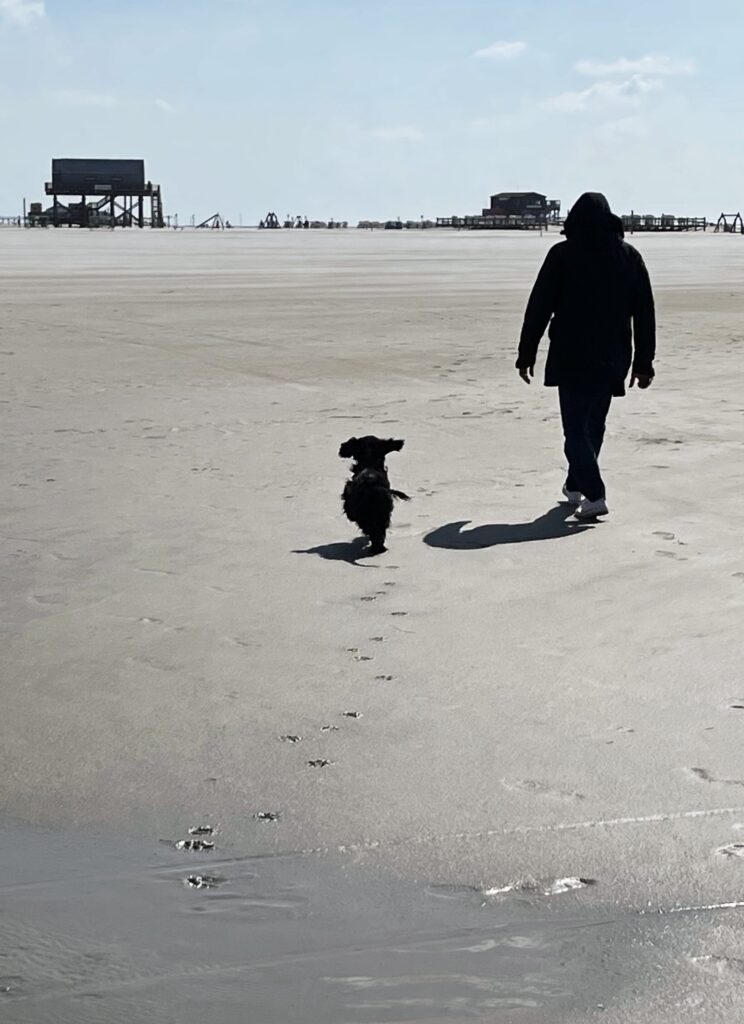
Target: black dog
{"x": 368, "y": 497}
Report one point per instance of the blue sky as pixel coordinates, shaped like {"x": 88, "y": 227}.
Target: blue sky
{"x": 380, "y": 108}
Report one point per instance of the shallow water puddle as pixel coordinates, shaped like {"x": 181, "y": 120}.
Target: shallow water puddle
{"x": 350, "y": 945}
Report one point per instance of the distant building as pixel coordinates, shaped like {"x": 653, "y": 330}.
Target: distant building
{"x": 523, "y": 204}
{"x": 510, "y": 211}
{"x": 99, "y": 193}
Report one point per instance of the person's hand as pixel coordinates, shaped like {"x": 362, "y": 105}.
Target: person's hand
{"x": 642, "y": 379}
{"x": 526, "y": 372}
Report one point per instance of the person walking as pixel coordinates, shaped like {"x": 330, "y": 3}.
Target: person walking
{"x": 595, "y": 291}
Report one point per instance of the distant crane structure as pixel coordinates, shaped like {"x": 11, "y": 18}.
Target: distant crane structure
{"x": 731, "y": 223}
{"x": 270, "y": 221}
{"x": 215, "y": 223}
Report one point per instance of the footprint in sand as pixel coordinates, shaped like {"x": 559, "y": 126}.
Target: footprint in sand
{"x": 660, "y": 440}
{"x": 720, "y": 966}
{"x": 386, "y": 679}
{"x": 320, "y": 762}
{"x": 11, "y": 985}
{"x": 377, "y": 639}
{"x": 46, "y": 599}
{"x": 399, "y": 613}
{"x": 731, "y": 850}
{"x": 152, "y": 662}
{"x": 526, "y": 886}
{"x": 369, "y": 597}
{"x": 665, "y": 534}
{"x": 363, "y": 657}
{"x": 548, "y": 887}
{"x": 195, "y": 845}
{"x": 290, "y": 737}
{"x": 203, "y": 881}
{"x": 538, "y": 788}
{"x": 671, "y": 554}
{"x": 705, "y": 776}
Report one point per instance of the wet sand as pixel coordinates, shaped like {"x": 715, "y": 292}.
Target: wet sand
{"x": 537, "y": 701}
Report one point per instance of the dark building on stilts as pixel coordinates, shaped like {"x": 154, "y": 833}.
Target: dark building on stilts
{"x": 99, "y": 193}
{"x": 525, "y": 205}
{"x": 510, "y": 210}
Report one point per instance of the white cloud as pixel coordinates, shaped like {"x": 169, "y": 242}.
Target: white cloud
{"x": 22, "y": 12}
{"x": 165, "y": 106}
{"x": 629, "y": 92}
{"x": 655, "y": 64}
{"x": 502, "y": 50}
{"x": 397, "y": 133}
{"x": 79, "y": 98}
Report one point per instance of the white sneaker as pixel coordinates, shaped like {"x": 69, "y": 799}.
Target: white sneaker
{"x": 572, "y": 497}
{"x": 591, "y": 509}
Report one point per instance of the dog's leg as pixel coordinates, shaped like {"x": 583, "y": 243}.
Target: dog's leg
{"x": 376, "y": 542}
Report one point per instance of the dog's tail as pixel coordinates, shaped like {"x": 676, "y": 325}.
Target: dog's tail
{"x": 400, "y": 494}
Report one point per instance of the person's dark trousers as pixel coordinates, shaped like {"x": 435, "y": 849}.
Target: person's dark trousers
{"x": 584, "y": 414}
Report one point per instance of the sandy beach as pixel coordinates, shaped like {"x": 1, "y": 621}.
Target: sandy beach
{"x": 537, "y": 701}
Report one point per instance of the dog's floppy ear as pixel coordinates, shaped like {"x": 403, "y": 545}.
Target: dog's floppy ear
{"x": 393, "y": 446}
{"x": 348, "y": 448}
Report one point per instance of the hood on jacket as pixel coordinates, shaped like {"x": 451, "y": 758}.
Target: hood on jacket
{"x": 591, "y": 218}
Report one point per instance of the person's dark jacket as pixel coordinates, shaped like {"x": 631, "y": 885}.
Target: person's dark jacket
{"x": 593, "y": 285}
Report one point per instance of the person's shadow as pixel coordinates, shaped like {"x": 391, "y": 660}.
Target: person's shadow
{"x": 550, "y": 526}
{"x": 343, "y": 551}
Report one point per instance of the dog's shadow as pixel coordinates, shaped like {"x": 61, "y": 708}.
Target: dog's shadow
{"x": 552, "y": 525}
{"x": 342, "y": 551}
